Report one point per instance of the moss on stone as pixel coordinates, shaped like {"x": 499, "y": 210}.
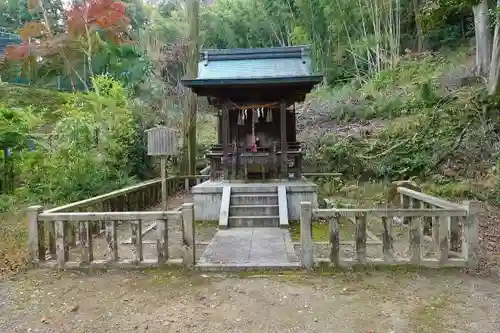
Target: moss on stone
{"x": 321, "y": 231}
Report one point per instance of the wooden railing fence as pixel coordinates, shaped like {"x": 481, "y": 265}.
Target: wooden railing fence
{"x": 418, "y": 209}
{"x": 60, "y": 248}
{"x": 123, "y": 203}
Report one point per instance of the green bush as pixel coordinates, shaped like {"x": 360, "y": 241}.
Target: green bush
{"x": 90, "y": 150}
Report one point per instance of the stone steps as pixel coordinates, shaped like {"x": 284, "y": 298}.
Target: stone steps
{"x": 254, "y": 207}
{"x": 254, "y": 221}
{"x": 253, "y": 210}
{"x": 251, "y": 199}
{"x": 253, "y": 190}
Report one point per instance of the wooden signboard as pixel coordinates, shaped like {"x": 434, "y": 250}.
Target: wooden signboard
{"x": 162, "y": 141}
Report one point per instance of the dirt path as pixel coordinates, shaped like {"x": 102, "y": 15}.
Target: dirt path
{"x": 175, "y": 302}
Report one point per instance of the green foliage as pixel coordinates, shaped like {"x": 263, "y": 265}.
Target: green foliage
{"x": 90, "y": 149}
{"x": 14, "y": 13}
{"x": 136, "y": 12}
{"x": 465, "y": 189}
{"x": 125, "y": 63}
{"x": 15, "y": 126}
{"x": 243, "y": 23}
{"x": 96, "y": 140}
{"x": 341, "y": 50}
{"x": 433, "y": 14}
{"x": 15, "y": 130}
{"x": 410, "y": 148}
{"x": 7, "y": 202}
{"x": 419, "y": 128}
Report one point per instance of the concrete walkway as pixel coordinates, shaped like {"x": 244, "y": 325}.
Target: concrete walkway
{"x": 250, "y": 248}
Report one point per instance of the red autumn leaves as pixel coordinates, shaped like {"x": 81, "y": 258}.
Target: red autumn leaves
{"x": 108, "y": 15}
{"x": 105, "y": 16}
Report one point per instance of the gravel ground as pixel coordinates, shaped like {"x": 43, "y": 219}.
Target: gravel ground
{"x": 175, "y": 301}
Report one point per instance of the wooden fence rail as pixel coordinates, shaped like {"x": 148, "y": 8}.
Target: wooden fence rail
{"x": 444, "y": 217}
{"x": 49, "y": 231}
{"x": 413, "y": 199}
{"x": 135, "y": 199}
{"x": 140, "y": 197}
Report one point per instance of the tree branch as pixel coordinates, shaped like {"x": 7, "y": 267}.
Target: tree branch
{"x": 457, "y": 143}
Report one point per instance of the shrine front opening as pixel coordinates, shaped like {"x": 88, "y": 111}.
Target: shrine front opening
{"x": 257, "y": 149}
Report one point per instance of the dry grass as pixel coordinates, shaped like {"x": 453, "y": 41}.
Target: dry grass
{"x": 13, "y": 238}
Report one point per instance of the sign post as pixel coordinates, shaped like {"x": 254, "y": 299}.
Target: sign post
{"x": 162, "y": 142}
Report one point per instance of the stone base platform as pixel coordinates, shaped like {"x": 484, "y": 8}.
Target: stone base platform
{"x": 207, "y": 196}
{"x": 250, "y": 248}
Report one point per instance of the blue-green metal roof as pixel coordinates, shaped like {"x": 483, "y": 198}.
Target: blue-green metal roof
{"x": 6, "y": 39}
{"x": 254, "y": 66}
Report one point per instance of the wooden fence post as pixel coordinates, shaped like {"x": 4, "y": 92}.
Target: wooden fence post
{"x": 139, "y": 250}
{"x": 50, "y": 229}
{"x": 36, "y": 236}
{"x": 435, "y": 231}
{"x": 62, "y": 254}
{"x": 134, "y": 231}
{"x": 86, "y": 250}
{"x": 306, "y": 235}
{"x": 111, "y": 239}
{"x": 361, "y": 239}
{"x": 454, "y": 236}
{"x": 405, "y": 204}
{"x": 70, "y": 233}
{"x": 470, "y": 234}
{"x": 443, "y": 240}
{"x": 415, "y": 235}
{"x": 427, "y": 221}
{"x": 189, "y": 243}
{"x": 162, "y": 240}
{"x": 163, "y": 161}
{"x": 387, "y": 239}
{"x": 335, "y": 240}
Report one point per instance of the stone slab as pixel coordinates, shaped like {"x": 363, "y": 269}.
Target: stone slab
{"x": 283, "y": 206}
{"x": 250, "y": 247}
{"x": 224, "y": 207}
{"x": 216, "y": 186}
{"x": 208, "y": 267}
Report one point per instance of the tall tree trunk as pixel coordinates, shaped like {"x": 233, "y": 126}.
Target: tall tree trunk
{"x": 192, "y": 8}
{"x": 494, "y": 70}
{"x": 483, "y": 38}
{"x": 489, "y": 113}
{"x": 421, "y": 44}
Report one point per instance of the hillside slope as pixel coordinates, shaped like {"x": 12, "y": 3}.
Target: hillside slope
{"x": 421, "y": 119}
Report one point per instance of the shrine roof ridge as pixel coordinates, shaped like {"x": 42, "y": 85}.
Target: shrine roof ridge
{"x": 254, "y": 66}
{"x": 255, "y": 53}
